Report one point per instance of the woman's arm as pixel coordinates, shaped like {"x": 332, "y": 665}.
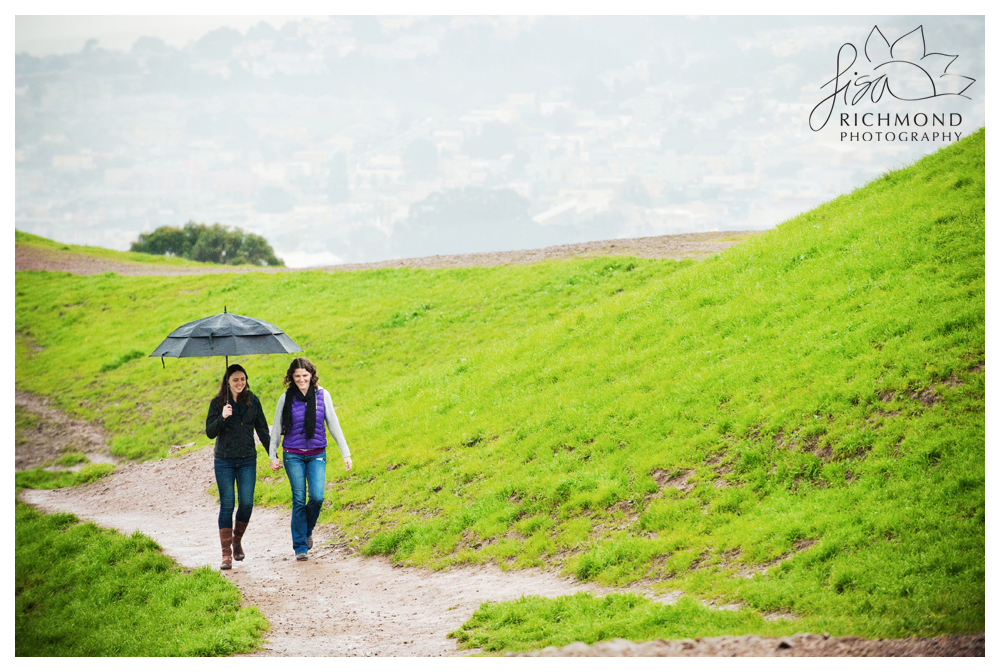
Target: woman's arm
{"x": 214, "y": 423}
{"x": 260, "y": 424}
{"x": 276, "y": 433}
{"x": 334, "y": 426}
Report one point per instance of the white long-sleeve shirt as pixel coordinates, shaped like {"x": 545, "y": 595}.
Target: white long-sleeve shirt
{"x": 331, "y": 423}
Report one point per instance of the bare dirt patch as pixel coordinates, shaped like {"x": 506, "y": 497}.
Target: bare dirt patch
{"x": 54, "y": 434}
{"x": 679, "y": 482}
{"x": 681, "y": 246}
{"x": 927, "y": 396}
{"x": 750, "y": 571}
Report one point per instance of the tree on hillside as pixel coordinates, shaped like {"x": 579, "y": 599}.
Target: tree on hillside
{"x": 215, "y": 243}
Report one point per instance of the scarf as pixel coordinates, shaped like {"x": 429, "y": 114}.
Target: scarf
{"x": 309, "y": 421}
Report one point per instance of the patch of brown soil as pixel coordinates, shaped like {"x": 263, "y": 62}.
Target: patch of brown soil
{"x": 796, "y": 645}
{"x": 29, "y": 341}
{"x": 824, "y": 453}
{"x": 679, "y": 482}
{"x": 750, "y": 571}
{"x": 682, "y": 246}
{"x": 953, "y": 381}
{"x": 701, "y": 560}
{"x": 55, "y": 433}
{"x": 803, "y": 544}
{"x": 927, "y": 396}
{"x": 732, "y": 554}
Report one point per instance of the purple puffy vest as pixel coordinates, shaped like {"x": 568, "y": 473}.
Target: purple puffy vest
{"x": 295, "y": 440}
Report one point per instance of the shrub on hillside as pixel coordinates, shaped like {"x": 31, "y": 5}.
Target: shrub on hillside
{"x": 216, "y": 243}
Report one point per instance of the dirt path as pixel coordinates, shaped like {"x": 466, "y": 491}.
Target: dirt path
{"x": 342, "y": 604}
{"x": 336, "y": 603}
{"x": 681, "y": 246}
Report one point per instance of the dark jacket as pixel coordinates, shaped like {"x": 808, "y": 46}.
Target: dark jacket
{"x": 234, "y": 435}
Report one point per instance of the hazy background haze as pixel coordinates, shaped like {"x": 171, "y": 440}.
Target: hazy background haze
{"x": 346, "y": 139}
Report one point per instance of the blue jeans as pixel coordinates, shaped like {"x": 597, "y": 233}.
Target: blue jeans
{"x": 239, "y": 473}
{"x": 305, "y": 473}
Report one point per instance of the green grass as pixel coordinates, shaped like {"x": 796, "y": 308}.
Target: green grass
{"x": 43, "y": 479}
{"x": 532, "y": 622}
{"x": 70, "y": 459}
{"x": 821, "y": 387}
{"x": 25, "y": 422}
{"x": 124, "y": 358}
{"x": 80, "y": 590}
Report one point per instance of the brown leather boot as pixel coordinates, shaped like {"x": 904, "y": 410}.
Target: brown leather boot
{"x": 226, "y": 537}
{"x": 238, "y": 531}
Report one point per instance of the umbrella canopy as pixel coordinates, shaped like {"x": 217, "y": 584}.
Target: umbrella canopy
{"x": 225, "y": 334}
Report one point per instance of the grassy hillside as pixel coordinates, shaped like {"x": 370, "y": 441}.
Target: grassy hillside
{"x": 80, "y": 590}
{"x": 810, "y": 403}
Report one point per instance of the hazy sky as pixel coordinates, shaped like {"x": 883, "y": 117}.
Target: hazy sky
{"x": 602, "y": 128}
{"x": 48, "y": 35}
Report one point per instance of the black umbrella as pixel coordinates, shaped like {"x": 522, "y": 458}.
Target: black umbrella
{"x": 223, "y": 335}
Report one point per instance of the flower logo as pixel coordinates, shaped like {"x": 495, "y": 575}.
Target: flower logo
{"x": 903, "y": 69}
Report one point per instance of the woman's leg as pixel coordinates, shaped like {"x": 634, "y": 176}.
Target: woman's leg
{"x": 246, "y": 478}
{"x": 295, "y": 467}
{"x": 316, "y": 477}
{"x": 225, "y": 478}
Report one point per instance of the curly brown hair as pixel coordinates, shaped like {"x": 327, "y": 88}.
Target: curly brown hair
{"x": 301, "y": 363}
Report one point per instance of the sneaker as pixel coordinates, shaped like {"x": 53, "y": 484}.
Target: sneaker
{"x": 301, "y": 556}
{"x": 309, "y": 542}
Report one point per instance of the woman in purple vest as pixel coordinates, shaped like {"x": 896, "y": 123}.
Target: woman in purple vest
{"x": 302, "y": 411}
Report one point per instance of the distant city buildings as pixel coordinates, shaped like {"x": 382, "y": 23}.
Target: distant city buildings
{"x": 322, "y": 136}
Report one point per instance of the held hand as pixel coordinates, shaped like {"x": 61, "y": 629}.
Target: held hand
{"x": 227, "y": 410}
{"x": 275, "y": 465}
{"x": 348, "y": 464}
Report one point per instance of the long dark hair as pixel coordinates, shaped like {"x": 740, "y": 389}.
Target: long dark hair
{"x": 224, "y": 393}
{"x": 301, "y": 363}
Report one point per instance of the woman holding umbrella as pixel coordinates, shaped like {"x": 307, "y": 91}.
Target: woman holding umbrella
{"x": 233, "y": 416}
{"x": 302, "y": 412}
